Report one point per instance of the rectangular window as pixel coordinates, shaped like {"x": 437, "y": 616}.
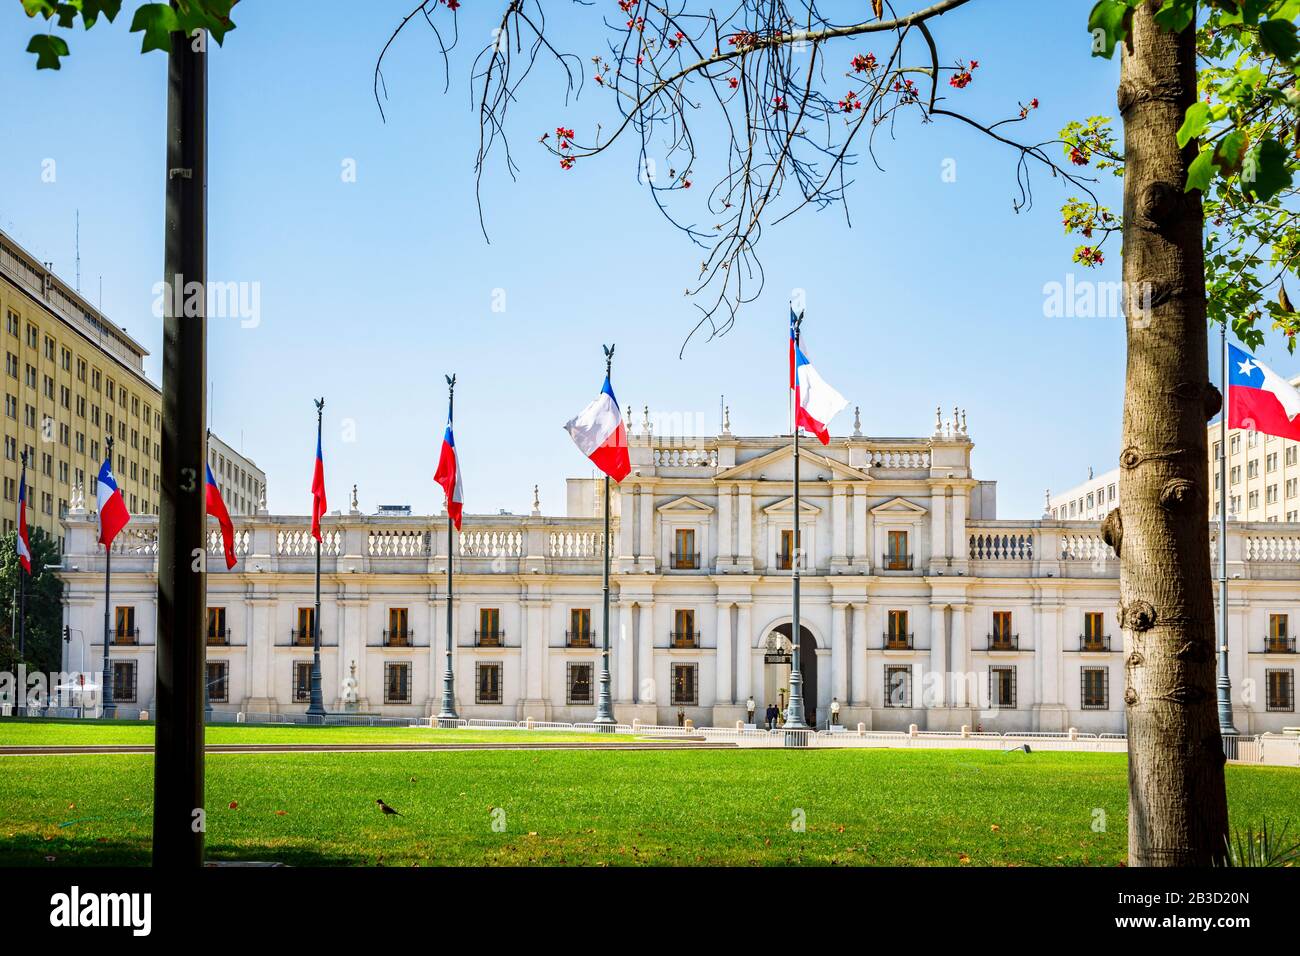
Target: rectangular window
{"x": 1094, "y": 688}
{"x": 397, "y": 682}
{"x": 1002, "y": 687}
{"x": 1002, "y": 638}
{"x": 580, "y": 627}
{"x": 398, "y": 634}
{"x": 684, "y": 684}
{"x": 304, "y": 634}
{"x": 578, "y": 683}
{"x": 898, "y": 686}
{"x": 1281, "y": 690}
{"x": 684, "y": 557}
{"x": 124, "y": 630}
{"x": 684, "y": 628}
{"x": 217, "y": 631}
{"x": 301, "y": 681}
{"x": 897, "y": 557}
{"x": 123, "y": 682}
{"x": 489, "y": 627}
{"x": 487, "y": 683}
{"x": 789, "y": 548}
{"x": 898, "y": 637}
{"x": 1094, "y": 626}
{"x": 218, "y": 683}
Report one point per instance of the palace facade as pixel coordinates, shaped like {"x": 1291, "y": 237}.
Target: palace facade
{"x": 919, "y": 605}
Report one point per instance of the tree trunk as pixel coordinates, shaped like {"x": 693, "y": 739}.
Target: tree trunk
{"x": 1178, "y": 814}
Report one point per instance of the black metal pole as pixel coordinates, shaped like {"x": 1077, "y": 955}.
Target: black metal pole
{"x": 178, "y": 823}
{"x": 794, "y": 714}
{"x": 447, "y": 711}
{"x": 316, "y": 707}
{"x": 106, "y": 679}
{"x": 604, "y": 703}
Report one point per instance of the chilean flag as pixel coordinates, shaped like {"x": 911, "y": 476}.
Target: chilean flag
{"x": 815, "y": 402}
{"x": 598, "y": 432}
{"x": 318, "y": 505}
{"x": 448, "y": 475}
{"x": 1259, "y": 399}
{"x": 24, "y": 542}
{"x": 113, "y": 515}
{"x": 217, "y": 508}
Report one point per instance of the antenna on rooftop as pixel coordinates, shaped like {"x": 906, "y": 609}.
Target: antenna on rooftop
{"x": 78, "y": 244}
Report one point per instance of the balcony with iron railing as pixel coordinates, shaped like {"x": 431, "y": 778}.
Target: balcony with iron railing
{"x": 126, "y": 635}
{"x": 496, "y": 638}
{"x": 684, "y": 639}
{"x": 1279, "y": 645}
{"x": 684, "y": 562}
{"x": 1094, "y": 642}
{"x": 300, "y": 637}
{"x": 579, "y": 638}
{"x": 218, "y": 637}
{"x": 398, "y": 637}
{"x": 896, "y": 562}
{"x": 897, "y": 642}
{"x": 1002, "y": 641}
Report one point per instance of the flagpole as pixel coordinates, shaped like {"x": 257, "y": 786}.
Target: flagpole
{"x": 316, "y": 708}
{"x": 106, "y": 680}
{"x": 447, "y": 711}
{"x": 22, "y": 598}
{"x": 604, "y": 705}
{"x": 1224, "y": 683}
{"x": 794, "y": 719}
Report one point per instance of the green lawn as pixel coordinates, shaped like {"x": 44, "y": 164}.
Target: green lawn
{"x": 80, "y": 733}
{"x": 587, "y": 807}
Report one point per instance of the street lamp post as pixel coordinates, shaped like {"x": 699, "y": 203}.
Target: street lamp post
{"x": 604, "y": 704}
{"x": 108, "y": 709}
{"x": 447, "y": 716}
{"x": 316, "y": 707}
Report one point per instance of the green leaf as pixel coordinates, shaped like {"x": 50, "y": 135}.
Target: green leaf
{"x": 48, "y": 48}
{"x": 1201, "y": 173}
{"x": 157, "y": 21}
{"x": 1279, "y": 38}
{"x": 1232, "y": 149}
{"x": 44, "y": 8}
{"x": 1195, "y": 123}
{"x": 1108, "y": 24}
{"x": 91, "y": 10}
{"x": 1264, "y": 173}
{"x": 1176, "y": 15}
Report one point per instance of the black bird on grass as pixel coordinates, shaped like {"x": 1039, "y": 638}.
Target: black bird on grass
{"x": 387, "y": 809}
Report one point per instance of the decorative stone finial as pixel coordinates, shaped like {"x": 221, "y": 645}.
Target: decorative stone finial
{"x": 726, "y": 419}
{"x": 1047, "y": 502}
{"x": 645, "y": 421}
{"x": 261, "y": 501}
{"x": 938, "y": 421}
{"x": 963, "y": 421}
{"x": 537, "y": 502}
{"x": 356, "y": 510}
{"x": 630, "y": 425}
{"x": 857, "y": 421}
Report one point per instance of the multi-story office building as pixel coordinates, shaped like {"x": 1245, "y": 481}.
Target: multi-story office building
{"x": 1090, "y": 501}
{"x": 71, "y": 378}
{"x": 919, "y": 605}
{"x": 242, "y": 483}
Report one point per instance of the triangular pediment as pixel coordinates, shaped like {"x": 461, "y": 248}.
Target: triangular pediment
{"x": 685, "y": 506}
{"x": 898, "y": 507}
{"x": 778, "y": 465}
{"x": 786, "y": 506}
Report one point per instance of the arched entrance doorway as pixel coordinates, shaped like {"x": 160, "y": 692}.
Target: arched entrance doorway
{"x": 777, "y": 654}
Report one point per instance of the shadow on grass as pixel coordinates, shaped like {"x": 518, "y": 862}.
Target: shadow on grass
{"x": 30, "y": 850}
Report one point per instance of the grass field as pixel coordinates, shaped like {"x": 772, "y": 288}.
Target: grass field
{"x": 78, "y": 733}
{"x": 934, "y": 807}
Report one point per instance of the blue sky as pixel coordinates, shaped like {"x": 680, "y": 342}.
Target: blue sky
{"x": 371, "y": 290}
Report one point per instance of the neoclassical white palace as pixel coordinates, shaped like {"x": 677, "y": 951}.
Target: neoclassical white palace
{"x": 918, "y": 604}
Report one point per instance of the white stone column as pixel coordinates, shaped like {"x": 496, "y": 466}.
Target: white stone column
{"x": 744, "y": 529}
{"x": 961, "y": 655}
{"x": 744, "y": 651}
{"x": 839, "y": 653}
{"x": 858, "y": 655}
{"x": 725, "y": 526}
{"x": 938, "y": 656}
{"x": 960, "y": 544}
{"x": 646, "y": 654}
{"x": 722, "y": 661}
{"x": 626, "y": 524}
{"x": 861, "y": 556}
{"x": 839, "y": 527}
{"x": 938, "y": 528}
{"x": 646, "y": 546}
{"x": 625, "y": 655}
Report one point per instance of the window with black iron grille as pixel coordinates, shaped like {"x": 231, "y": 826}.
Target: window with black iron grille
{"x": 578, "y": 683}
{"x": 301, "y": 680}
{"x": 1002, "y": 687}
{"x": 218, "y": 684}
{"x": 487, "y": 683}
{"x": 898, "y": 686}
{"x": 397, "y": 682}
{"x": 1094, "y": 688}
{"x": 123, "y": 681}
{"x": 684, "y": 684}
{"x": 1281, "y": 689}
